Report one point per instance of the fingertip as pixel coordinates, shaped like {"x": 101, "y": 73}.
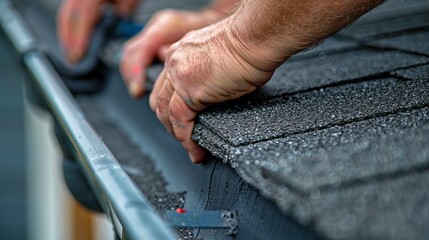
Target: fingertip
{"x": 74, "y": 55}
{"x": 135, "y": 89}
{"x": 198, "y": 155}
{"x": 152, "y": 102}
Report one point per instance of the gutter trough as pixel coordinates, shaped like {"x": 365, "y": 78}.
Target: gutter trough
{"x": 132, "y": 215}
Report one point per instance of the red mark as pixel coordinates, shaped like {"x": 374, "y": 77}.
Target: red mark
{"x": 180, "y": 210}
{"x": 136, "y": 69}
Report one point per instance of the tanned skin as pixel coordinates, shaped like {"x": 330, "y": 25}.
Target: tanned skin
{"x": 76, "y": 20}
{"x": 224, "y": 52}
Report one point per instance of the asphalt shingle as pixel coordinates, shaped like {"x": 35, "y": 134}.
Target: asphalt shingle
{"x": 338, "y": 178}
{"x": 381, "y": 28}
{"x": 333, "y": 69}
{"x": 249, "y": 122}
{"x": 388, "y": 209}
{"x": 414, "y": 42}
{"x": 419, "y": 72}
{"x": 330, "y": 45}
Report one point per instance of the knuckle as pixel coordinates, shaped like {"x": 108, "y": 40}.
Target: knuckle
{"x": 180, "y": 136}
{"x": 159, "y": 115}
{"x": 128, "y": 46}
{"x": 162, "y": 103}
{"x": 171, "y": 61}
{"x": 198, "y": 97}
{"x": 169, "y": 15}
{"x": 175, "y": 113}
{"x": 185, "y": 72}
{"x": 174, "y": 47}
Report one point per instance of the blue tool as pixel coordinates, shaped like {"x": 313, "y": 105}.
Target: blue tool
{"x": 109, "y": 27}
{"x": 127, "y": 29}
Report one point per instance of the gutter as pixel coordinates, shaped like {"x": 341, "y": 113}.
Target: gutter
{"x": 130, "y": 212}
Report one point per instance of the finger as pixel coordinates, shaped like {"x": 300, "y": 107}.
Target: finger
{"x": 164, "y": 28}
{"x": 125, "y": 7}
{"x": 82, "y": 20}
{"x": 132, "y": 71}
{"x": 182, "y": 121}
{"x": 138, "y": 55}
{"x": 156, "y": 89}
{"x": 162, "y": 52}
{"x": 163, "y": 103}
{"x": 63, "y": 19}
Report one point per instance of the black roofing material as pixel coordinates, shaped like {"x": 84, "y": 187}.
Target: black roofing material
{"x": 284, "y": 157}
{"x": 415, "y": 73}
{"x": 330, "y": 45}
{"x": 251, "y": 122}
{"x": 394, "y": 208}
{"x": 410, "y": 42}
{"x": 325, "y": 177}
{"x": 378, "y": 29}
{"x": 326, "y": 158}
{"x": 333, "y": 69}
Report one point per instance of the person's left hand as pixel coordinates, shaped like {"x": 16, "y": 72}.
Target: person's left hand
{"x": 207, "y": 66}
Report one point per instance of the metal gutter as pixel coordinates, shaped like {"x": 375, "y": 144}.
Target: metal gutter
{"x": 129, "y": 210}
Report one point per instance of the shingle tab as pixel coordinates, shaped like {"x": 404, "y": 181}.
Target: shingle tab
{"x": 415, "y": 73}
{"x": 392, "y": 209}
{"x": 414, "y": 42}
{"x": 380, "y": 28}
{"x": 330, "y": 45}
{"x": 251, "y": 122}
{"x": 326, "y": 157}
{"x": 342, "y": 154}
{"x": 333, "y": 69}
{"x": 383, "y": 159}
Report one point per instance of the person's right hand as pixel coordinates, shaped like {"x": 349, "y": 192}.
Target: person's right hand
{"x": 165, "y": 28}
{"x": 76, "y": 20}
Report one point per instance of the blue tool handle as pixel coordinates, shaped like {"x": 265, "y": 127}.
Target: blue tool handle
{"x": 127, "y": 29}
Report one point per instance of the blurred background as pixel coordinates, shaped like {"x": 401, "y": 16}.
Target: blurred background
{"x": 34, "y": 200}
{"x": 13, "y": 185}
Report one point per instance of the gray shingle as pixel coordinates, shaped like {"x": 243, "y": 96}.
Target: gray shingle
{"x": 330, "y": 45}
{"x": 386, "y": 202}
{"x": 348, "y": 162}
{"x": 419, "y": 72}
{"x": 251, "y": 122}
{"x": 322, "y": 158}
{"x": 415, "y": 42}
{"x": 380, "y": 28}
{"x": 325, "y": 157}
{"x": 333, "y": 69}
{"x": 390, "y": 209}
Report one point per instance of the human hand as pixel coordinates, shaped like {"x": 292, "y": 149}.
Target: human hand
{"x": 164, "y": 28}
{"x": 76, "y": 20}
{"x": 207, "y": 66}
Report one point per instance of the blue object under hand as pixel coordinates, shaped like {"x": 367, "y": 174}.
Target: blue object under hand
{"x": 127, "y": 29}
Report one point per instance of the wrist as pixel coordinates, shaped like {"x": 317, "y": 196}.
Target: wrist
{"x": 258, "y": 43}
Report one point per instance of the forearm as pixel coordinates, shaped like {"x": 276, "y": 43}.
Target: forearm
{"x": 223, "y": 6}
{"x": 289, "y": 26}
{"x": 219, "y": 9}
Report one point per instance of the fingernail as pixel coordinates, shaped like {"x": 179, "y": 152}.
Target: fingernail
{"x": 192, "y": 157}
{"x": 135, "y": 89}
